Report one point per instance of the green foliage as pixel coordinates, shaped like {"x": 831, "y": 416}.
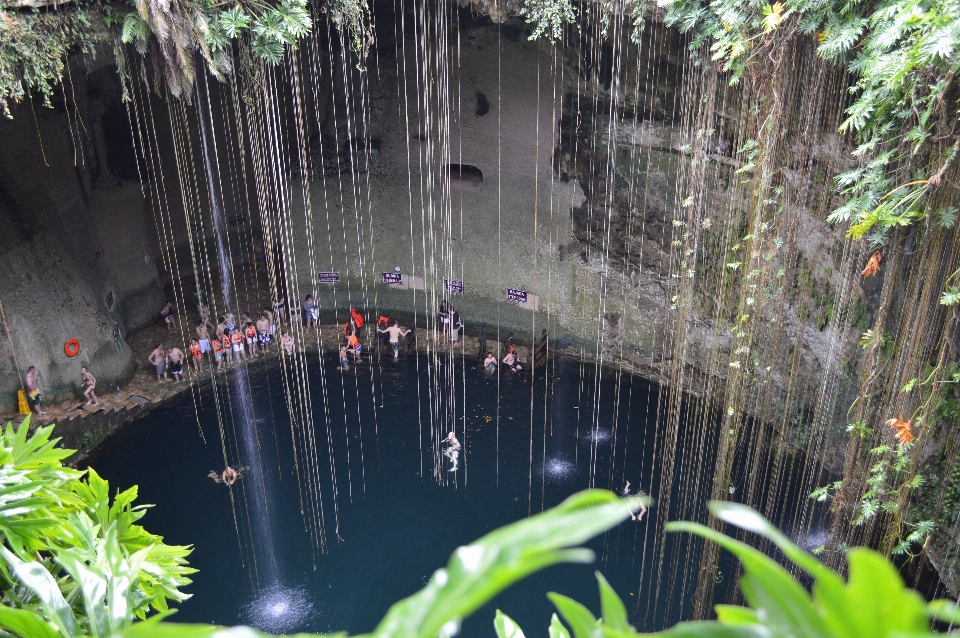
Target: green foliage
{"x": 873, "y": 601}
{"x": 548, "y": 17}
{"x": 73, "y": 563}
{"x": 902, "y": 55}
{"x": 34, "y": 46}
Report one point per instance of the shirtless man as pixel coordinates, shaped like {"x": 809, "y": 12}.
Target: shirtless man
{"x": 511, "y": 361}
{"x": 453, "y": 450}
{"x": 269, "y": 315}
{"x": 229, "y": 475}
{"x": 167, "y": 314}
{"x": 287, "y": 342}
{"x": 33, "y": 389}
{"x": 158, "y": 358}
{"x": 203, "y": 337}
{"x": 175, "y": 356}
{"x": 263, "y": 332}
{"x": 490, "y": 364}
{"x": 89, "y": 383}
{"x": 395, "y": 332}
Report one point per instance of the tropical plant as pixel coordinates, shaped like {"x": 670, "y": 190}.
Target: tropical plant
{"x": 71, "y": 562}
{"x": 901, "y": 55}
{"x": 873, "y": 601}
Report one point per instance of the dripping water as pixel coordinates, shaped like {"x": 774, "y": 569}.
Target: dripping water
{"x": 264, "y": 556}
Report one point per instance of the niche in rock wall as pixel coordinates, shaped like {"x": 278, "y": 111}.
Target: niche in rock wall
{"x": 483, "y": 104}
{"x": 465, "y": 178}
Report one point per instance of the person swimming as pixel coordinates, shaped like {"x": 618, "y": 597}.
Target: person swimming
{"x": 453, "y": 451}
{"x": 643, "y": 508}
{"x": 229, "y": 476}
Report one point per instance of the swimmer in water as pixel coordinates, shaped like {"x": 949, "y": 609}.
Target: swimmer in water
{"x": 643, "y": 508}
{"x": 453, "y": 451}
{"x": 229, "y": 476}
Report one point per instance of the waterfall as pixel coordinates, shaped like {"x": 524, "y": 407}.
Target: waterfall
{"x": 264, "y": 557}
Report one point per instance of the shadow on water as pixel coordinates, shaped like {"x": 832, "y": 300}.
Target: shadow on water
{"x": 397, "y": 526}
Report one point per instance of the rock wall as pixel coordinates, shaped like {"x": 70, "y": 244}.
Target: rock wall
{"x": 74, "y": 234}
{"x": 524, "y": 172}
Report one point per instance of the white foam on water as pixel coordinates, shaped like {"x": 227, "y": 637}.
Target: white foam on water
{"x": 559, "y": 469}
{"x": 279, "y": 609}
{"x": 598, "y": 436}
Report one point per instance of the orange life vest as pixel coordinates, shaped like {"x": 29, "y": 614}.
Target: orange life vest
{"x": 251, "y": 332}
{"x": 236, "y": 337}
{"x": 357, "y": 318}
{"x": 195, "y": 350}
{"x": 216, "y": 346}
{"x": 353, "y": 341}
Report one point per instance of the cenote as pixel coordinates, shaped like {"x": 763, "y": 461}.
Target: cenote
{"x": 394, "y": 522}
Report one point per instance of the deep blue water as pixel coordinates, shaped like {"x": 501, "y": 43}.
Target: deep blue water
{"x": 396, "y": 523}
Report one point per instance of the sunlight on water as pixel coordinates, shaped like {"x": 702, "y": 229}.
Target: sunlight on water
{"x": 559, "y": 469}
{"x": 279, "y": 609}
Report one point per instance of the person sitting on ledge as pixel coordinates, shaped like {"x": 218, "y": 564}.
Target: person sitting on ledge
{"x": 511, "y": 361}
{"x": 354, "y": 346}
{"x": 287, "y": 342}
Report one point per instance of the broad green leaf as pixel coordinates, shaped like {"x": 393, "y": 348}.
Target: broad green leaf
{"x": 36, "y": 578}
{"x": 709, "y": 629}
{"x": 581, "y": 621}
{"x": 556, "y": 629}
{"x": 611, "y": 607}
{"x": 735, "y": 615}
{"x": 506, "y": 627}
{"x": 770, "y": 590}
{"x": 874, "y": 602}
{"x": 25, "y": 623}
{"x": 479, "y": 571}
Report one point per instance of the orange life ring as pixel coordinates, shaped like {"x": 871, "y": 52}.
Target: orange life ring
{"x": 72, "y": 348}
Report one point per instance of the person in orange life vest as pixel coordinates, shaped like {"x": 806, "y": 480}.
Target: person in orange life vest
{"x": 236, "y": 340}
{"x": 197, "y": 354}
{"x": 357, "y": 317}
{"x": 218, "y": 353}
{"x": 353, "y": 345}
{"x": 227, "y": 346}
{"x": 250, "y": 331}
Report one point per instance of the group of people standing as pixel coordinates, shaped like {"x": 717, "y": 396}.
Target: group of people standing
{"x": 231, "y": 340}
